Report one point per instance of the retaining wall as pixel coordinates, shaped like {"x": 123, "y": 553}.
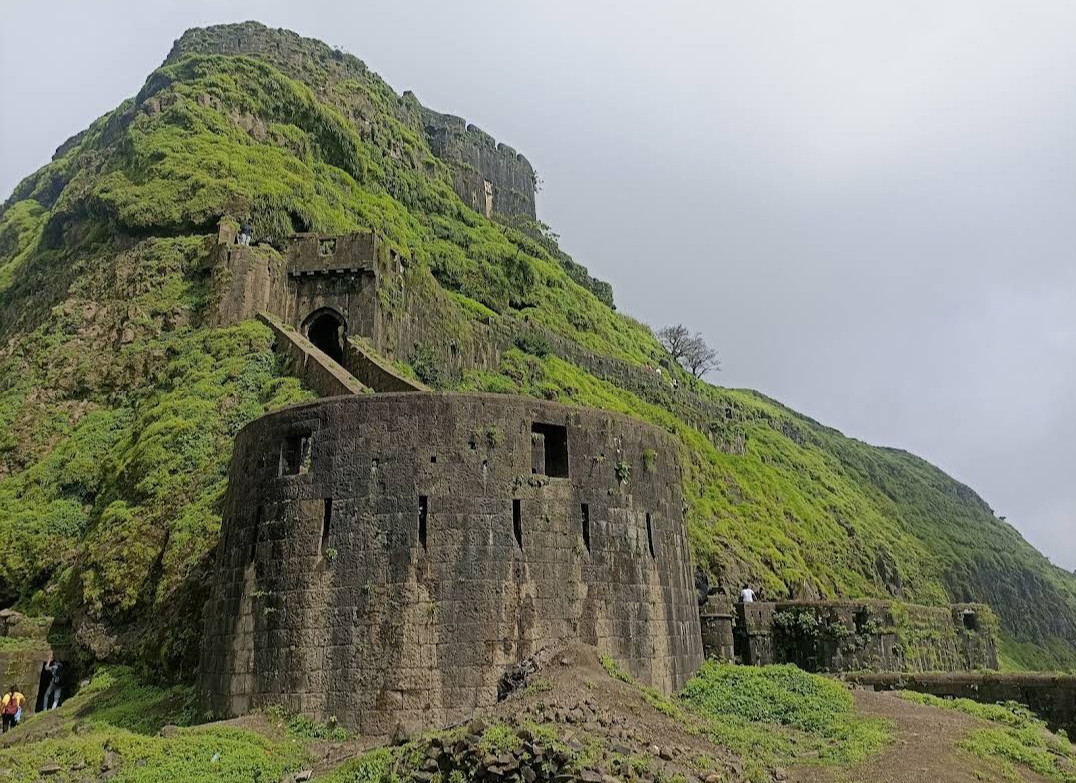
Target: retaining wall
{"x": 1051, "y": 696}
{"x": 838, "y": 636}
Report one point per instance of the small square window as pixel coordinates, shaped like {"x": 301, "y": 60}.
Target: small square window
{"x": 294, "y": 455}
{"x": 549, "y": 450}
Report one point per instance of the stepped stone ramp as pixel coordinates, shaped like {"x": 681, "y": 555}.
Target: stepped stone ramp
{"x": 372, "y": 370}
{"x": 319, "y": 372}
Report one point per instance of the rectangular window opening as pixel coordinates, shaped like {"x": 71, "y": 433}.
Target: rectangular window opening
{"x": 585, "y": 509}
{"x": 423, "y": 515}
{"x": 649, "y": 534}
{"x": 517, "y": 521}
{"x": 860, "y": 619}
{"x": 549, "y": 450}
{"x": 326, "y": 526}
{"x": 294, "y": 454}
{"x": 971, "y": 622}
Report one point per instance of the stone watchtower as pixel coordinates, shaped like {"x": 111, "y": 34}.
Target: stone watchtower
{"x": 385, "y": 558}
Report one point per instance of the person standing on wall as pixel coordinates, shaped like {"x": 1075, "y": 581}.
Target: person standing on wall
{"x": 747, "y": 595}
{"x": 11, "y": 708}
{"x": 55, "y": 671}
{"x": 246, "y": 233}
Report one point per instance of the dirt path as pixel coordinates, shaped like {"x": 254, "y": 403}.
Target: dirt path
{"x": 924, "y": 749}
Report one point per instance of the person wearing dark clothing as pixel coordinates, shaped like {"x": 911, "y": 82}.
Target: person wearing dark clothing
{"x": 702, "y": 585}
{"x": 53, "y": 693}
{"x": 246, "y": 233}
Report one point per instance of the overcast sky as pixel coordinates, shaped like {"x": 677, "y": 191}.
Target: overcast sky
{"x": 870, "y": 208}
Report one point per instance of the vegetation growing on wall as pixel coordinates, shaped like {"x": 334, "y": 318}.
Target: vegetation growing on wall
{"x": 118, "y": 404}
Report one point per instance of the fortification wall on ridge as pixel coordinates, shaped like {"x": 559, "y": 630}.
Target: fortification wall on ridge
{"x": 840, "y": 636}
{"x": 1051, "y": 696}
{"x": 488, "y": 176}
{"x": 386, "y": 558}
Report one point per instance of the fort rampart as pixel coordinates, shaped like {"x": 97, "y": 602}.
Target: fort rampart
{"x": 1051, "y": 696}
{"x": 386, "y": 558}
{"x": 842, "y": 636}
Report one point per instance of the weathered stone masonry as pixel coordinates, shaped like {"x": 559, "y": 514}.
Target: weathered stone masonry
{"x": 840, "y": 636}
{"x": 385, "y": 558}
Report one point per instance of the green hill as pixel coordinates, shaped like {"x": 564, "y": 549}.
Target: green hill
{"x": 118, "y": 402}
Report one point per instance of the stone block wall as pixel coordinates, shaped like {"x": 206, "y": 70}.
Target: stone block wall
{"x": 386, "y": 558}
{"x": 718, "y": 640}
{"x": 487, "y": 176}
{"x": 840, "y": 636}
{"x": 244, "y": 281}
{"x": 29, "y": 643}
{"x": 316, "y": 370}
{"x": 374, "y": 372}
{"x": 315, "y": 272}
{"x": 1051, "y": 696}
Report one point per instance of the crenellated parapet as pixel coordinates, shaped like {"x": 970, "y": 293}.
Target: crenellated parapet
{"x": 488, "y": 176}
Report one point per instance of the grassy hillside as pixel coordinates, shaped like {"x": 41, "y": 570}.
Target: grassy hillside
{"x": 117, "y": 403}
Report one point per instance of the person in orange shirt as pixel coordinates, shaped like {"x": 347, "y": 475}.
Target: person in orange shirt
{"x": 11, "y": 708}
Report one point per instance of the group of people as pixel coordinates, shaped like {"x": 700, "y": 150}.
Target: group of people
{"x": 13, "y": 702}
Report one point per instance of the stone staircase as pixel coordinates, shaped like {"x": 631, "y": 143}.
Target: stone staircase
{"x": 362, "y": 370}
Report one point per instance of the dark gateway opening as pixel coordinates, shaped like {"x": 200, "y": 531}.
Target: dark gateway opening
{"x": 326, "y": 332}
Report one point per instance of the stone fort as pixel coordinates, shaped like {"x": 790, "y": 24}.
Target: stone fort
{"x": 386, "y": 558}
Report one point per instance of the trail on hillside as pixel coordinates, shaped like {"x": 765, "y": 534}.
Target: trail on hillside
{"x": 924, "y": 749}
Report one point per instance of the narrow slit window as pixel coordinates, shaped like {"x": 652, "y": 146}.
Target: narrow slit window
{"x": 517, "y": 522}
{"x": 254, "y": 535}
{"x": 585, "y": 513}
{"x": 423, "y": 516}
{"x": 649, "y": 534}
{"x": 326, "y": 526}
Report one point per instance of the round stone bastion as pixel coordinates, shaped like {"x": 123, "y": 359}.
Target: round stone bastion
{"x": 385, "y": 559}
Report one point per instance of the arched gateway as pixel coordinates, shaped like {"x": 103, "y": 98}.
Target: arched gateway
{"x": 327, "y": 330}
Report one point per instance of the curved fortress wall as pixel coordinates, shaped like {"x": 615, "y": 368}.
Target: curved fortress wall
{"x": 385, "y": 558}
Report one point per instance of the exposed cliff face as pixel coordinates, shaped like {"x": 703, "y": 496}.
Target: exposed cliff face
{"x": 119, "y": 399}
{"x": 487, "y": 176}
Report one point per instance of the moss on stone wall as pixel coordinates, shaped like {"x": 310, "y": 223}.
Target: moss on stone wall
{"x": 117, "y": 404}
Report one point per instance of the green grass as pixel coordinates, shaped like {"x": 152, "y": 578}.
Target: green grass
{"x": 119, "y": 713}
{"x": 776, "y": 715}
{"x": 12, "y": 644}
{"x": 615, "y": 670}
{"x": 1016, "y": 739}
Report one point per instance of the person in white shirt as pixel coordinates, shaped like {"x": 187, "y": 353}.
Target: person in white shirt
{"x": 747, "y": 595}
